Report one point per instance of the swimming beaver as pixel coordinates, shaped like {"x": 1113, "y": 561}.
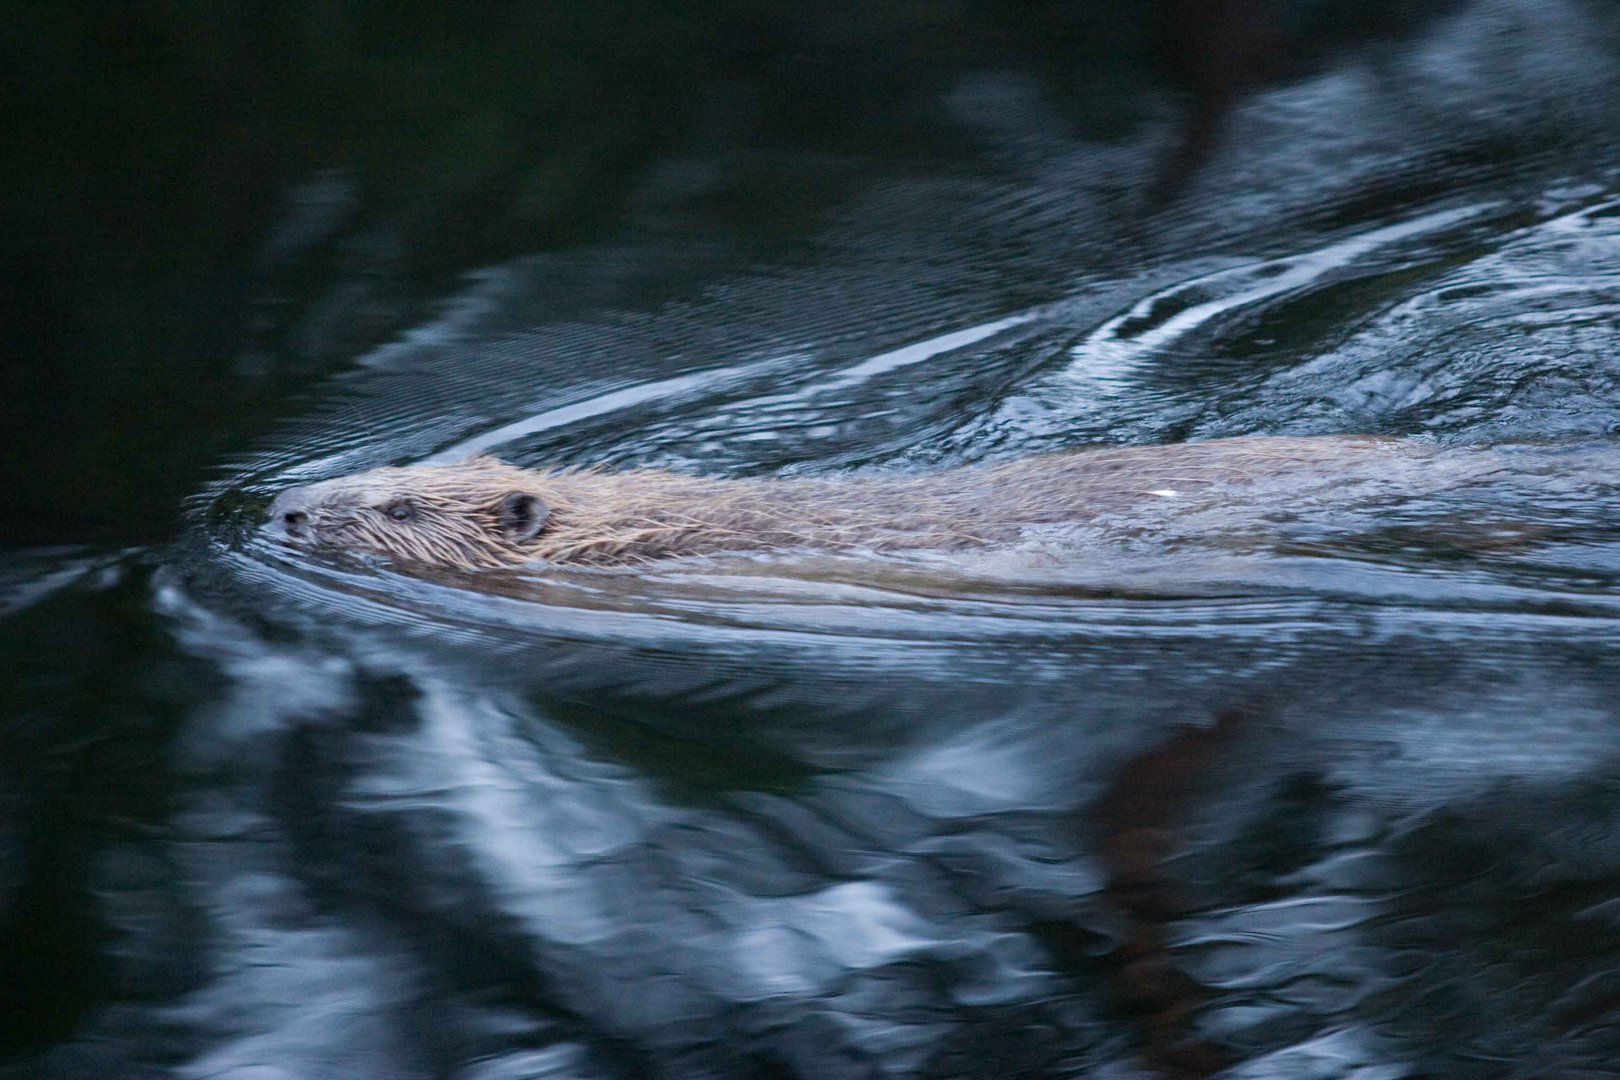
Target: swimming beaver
{"x": 484, "y": 513}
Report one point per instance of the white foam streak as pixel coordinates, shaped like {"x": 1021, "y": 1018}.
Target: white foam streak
{"x": 1111, "y": 353}
{"x": 712, "y": 380}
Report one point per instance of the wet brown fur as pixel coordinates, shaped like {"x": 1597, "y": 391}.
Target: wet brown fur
{"x": 604, "y": 518}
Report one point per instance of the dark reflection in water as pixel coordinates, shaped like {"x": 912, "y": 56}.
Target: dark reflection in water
{"x": 1317, "y": 786}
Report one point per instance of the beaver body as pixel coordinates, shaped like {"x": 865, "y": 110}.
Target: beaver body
{"x": 484, "y": 513}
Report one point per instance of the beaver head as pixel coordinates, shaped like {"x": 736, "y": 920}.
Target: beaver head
{"x": 478, "y": 513}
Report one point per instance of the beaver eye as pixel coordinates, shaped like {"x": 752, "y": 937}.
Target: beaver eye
{"x": 401, "y": 511}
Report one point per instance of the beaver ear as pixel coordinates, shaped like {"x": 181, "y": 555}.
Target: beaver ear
{"x": 522, "y": 516}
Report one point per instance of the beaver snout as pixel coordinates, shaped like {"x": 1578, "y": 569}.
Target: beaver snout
{"x": 290, "y": 514}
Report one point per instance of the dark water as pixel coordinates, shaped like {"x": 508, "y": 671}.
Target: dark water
{"x": 1325, "y": 797}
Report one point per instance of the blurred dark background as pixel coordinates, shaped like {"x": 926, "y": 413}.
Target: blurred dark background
{"x": 207, "y": 205}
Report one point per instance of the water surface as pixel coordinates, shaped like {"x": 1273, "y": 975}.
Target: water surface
{"x": 1325, "y": 793}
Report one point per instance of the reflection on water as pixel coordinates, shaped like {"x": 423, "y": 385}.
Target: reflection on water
{"x": 1320, "y": 785}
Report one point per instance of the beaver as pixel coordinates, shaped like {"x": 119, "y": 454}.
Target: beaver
{"x": 484, "y": 513}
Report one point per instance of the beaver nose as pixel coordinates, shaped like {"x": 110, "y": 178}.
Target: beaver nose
{"x": 291, "y": 511}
